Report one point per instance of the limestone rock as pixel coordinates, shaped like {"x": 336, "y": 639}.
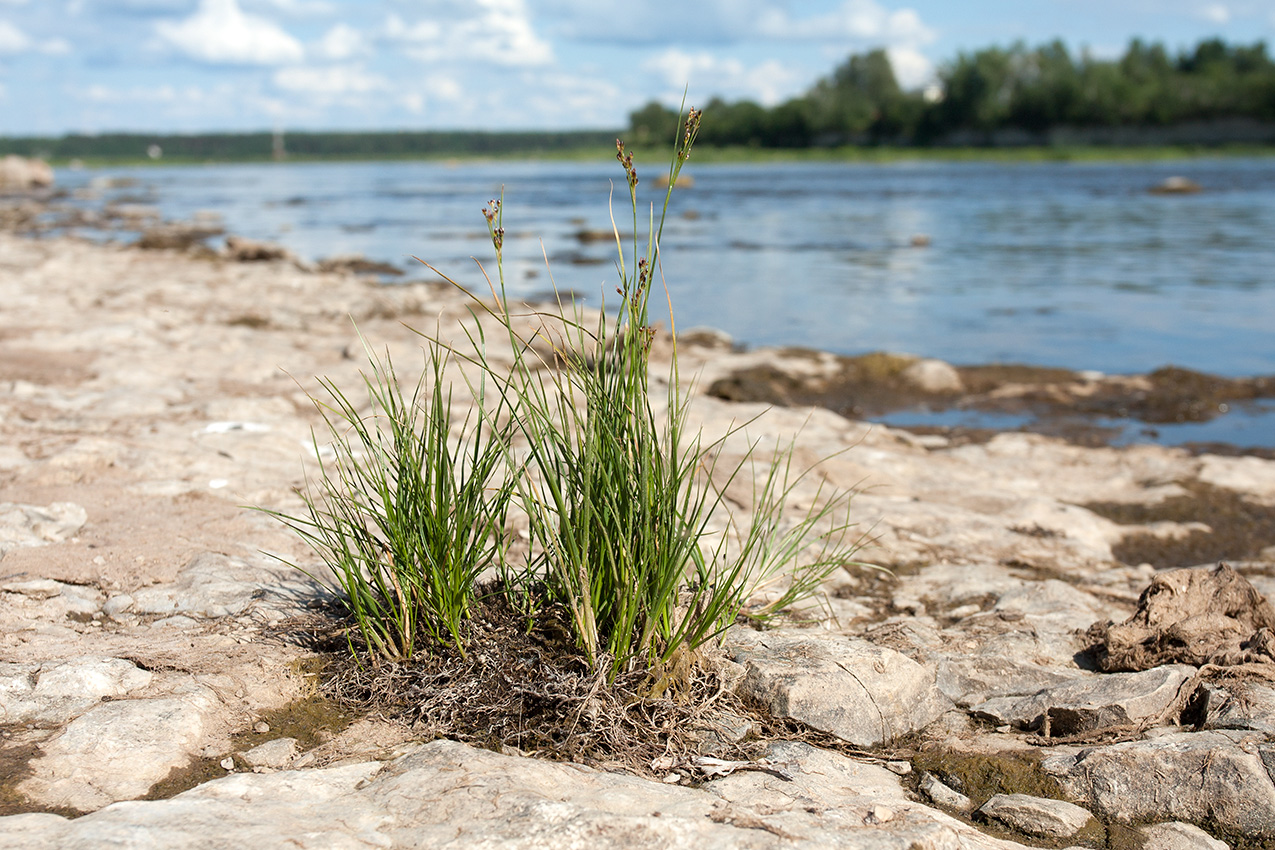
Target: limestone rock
{"x": 272, "y": 754}
{"x": 973, "y": 679}
{"x": 1253, "y": 476}
{"x": 1037, "y": 815}
{"x": 862, "y": 693}
{"x": 944, "y": 796}
{"x": 933, "y": 376}
{"x": 1179, "y": 836}
{"x": 1095, "y": 702}
{"x": 32, "y": 525}
{"x": 211, "y": 585}
{"x": 54, "y": 693}
{"x": 1216, "y": 777}
{"x": 18, "y": 172}
{"x": 448, "y": 794}
{"x": 118, "y": 750}
{"x": 1247, "y": 705}
{"x": 1060, "y": 604}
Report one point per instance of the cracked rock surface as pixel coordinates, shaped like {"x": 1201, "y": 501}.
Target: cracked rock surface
{"x": 147, "y": 396}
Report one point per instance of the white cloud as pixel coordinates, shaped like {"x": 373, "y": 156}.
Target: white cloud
{"x": 302, "y": 7}
{"x": 912, "y": 69}
{"x": 165, "y": 94}
{"x": 55, "y": 47}
{"x": 336, "y": 81}
{"x": 12, "y": 39}
{"x": 341, "y": 42}
{"x": 220, "y": 33}
{"x": 444, "y": 87}
{"x": 769, "y": 83}
{"x": 495, "y": 31}
{"x": 1215, "y": 13}
{"x": 854, "y": 19}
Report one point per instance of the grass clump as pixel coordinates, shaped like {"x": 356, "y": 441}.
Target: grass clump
{"x": 629, "y": 570}
{"x": 404, "y": 517}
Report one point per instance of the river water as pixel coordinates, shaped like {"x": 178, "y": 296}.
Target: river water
{"x": 1054, "y": 264}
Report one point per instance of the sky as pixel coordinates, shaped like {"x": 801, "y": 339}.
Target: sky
{"x": 229, "y": 65}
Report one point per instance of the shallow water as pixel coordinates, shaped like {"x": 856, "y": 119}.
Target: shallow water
{"x": 1073, "y": 265}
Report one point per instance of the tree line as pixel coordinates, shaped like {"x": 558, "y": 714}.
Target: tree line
{"x": 308, "y": 145}
{"x": 1017, "y": 95}
{"x": 990, "y": 91}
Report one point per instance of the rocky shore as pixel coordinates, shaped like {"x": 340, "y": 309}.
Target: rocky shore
{"x": 148, "y": 696}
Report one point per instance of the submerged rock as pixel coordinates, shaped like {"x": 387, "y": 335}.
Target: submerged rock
{"x": 1176, "y": 185}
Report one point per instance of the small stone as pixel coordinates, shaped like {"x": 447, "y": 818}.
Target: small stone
{"x": 117, "y": 605}
{"x": 899, "y": 768}
{"x": 1037, "y": 815}
{"x": 879, "y": 814}
{"x": 272, "y": 754}
{"x": 261, "y": 727}
{"x": 944, "y": 796}
{"x": 933, "y": 376}
{"x": 228, "y": 763}
{"x": 673, "y": 779}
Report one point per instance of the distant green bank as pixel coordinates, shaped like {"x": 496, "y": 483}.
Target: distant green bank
{"x": 304, "y": 146}
{"x": 142, "y": 149}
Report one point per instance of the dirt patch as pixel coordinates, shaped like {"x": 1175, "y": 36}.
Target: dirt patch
{"x": 1239, "y": 529}
{"x": 16, "y": 756}
{"x": 47, "y": 368}
{"x": 534, "y": 693}
{"x": 1190, "y": 616}
{"x": 129, "y": 540}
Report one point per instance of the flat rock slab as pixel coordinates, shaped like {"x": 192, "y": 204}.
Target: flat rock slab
{"x": 862, "y": 693}
{"x": 214, "y": 585}
{"x": 33, "y": 525}
{"x": 446, "y": 794}
{"x": 53, "y": 693}
{"x": 1037, "y": 815}
{"x": 118, "y": 750}
{"x": 972, "y": 679}
{"x": 1098, "y": 702}
{"x": 1198, "y": 777}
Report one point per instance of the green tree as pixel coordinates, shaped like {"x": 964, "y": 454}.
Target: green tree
{"x": 653, "y": 124}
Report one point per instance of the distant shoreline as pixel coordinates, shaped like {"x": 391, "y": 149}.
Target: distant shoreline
{"x": 741, "y": 155}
